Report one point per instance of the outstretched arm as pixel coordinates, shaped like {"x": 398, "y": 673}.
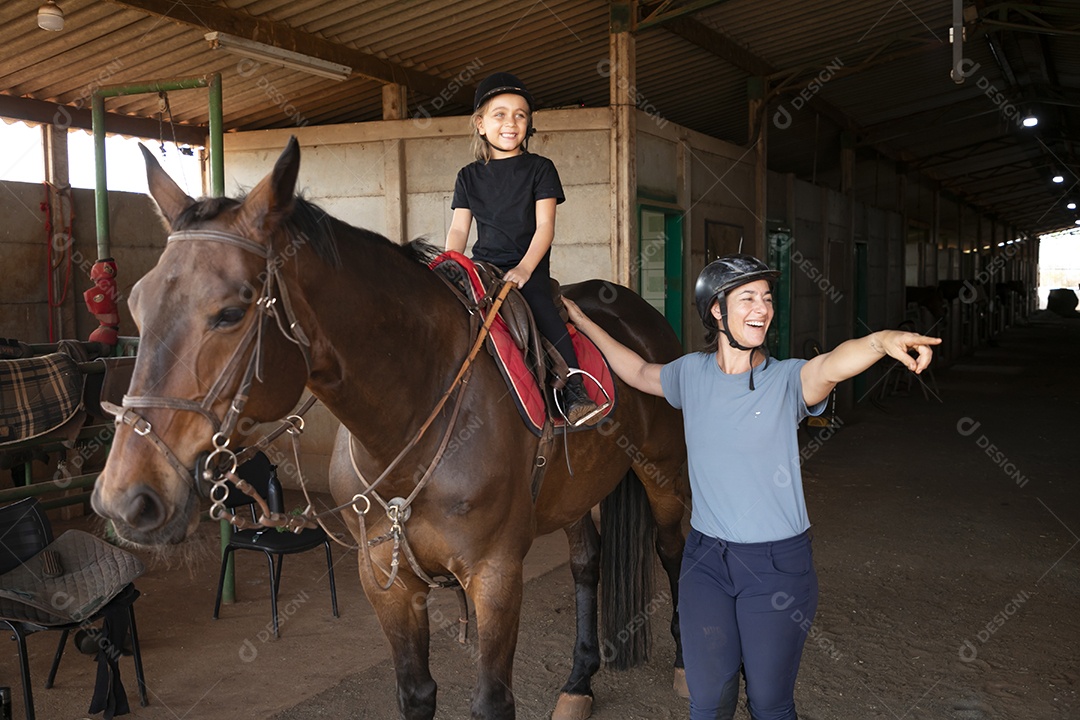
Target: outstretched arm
{"x": 821, "y": 374}
{"x": 627, "y": 364}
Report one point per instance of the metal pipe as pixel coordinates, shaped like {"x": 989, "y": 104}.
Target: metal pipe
{"x": 957, "y": 41}
{"x": 79, "y": 499}
{"x": 217, "y": 143}
{"x": 97, "y": 102}
{"x": 101, "y": 191}
{"x": 44, "y": 488}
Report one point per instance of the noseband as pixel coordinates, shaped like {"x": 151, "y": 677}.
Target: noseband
{"x": 207, "y": 466}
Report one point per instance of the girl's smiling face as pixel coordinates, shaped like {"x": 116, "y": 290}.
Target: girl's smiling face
{"x": 504, "y": 123}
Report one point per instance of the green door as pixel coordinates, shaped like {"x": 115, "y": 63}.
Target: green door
{"x": 660, "y": 263}
{"x": 780, "y": 242}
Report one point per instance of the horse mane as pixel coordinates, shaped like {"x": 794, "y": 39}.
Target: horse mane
{"x": 309, "y": 220}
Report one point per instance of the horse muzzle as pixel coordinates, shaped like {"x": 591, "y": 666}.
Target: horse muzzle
{"x": 141, "y": 515}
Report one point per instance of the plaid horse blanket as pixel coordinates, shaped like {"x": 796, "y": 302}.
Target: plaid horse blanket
{"x": 38, "y": 395}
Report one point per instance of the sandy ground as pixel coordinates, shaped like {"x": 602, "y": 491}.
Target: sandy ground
{"x": 945, "y": 542}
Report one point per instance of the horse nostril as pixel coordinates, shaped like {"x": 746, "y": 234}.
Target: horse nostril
{"x": 143, "y": 509}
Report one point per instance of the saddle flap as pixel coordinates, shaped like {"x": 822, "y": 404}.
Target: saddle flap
{"x": 514, "y": 311}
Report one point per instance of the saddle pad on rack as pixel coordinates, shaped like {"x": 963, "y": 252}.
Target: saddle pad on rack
{"x": 511, "y": 361}
{"x": 93, "y": 572}
{"x": 38, "y": 395}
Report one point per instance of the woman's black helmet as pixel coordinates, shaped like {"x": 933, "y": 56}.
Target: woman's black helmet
{"x": 497, "y": 84}
{"x": 725, "y": 274}
{"x": 713, "y": 284}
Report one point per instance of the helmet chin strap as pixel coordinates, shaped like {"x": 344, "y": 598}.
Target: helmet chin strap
{"x": 735, "y": 343}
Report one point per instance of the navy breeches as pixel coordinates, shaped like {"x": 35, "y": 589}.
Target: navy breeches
{"x": 748, "y": 604}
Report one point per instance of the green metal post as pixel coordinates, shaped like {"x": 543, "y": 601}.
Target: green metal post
{"x": 217, "y": 145}
{"x": 101, "y": 191}
{"x": 97, "y": 102}
{"x": 228, "y": 585}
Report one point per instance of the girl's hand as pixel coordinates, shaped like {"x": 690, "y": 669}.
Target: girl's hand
{"x": 518, "y": 275}
{"x": 897, "y": 344}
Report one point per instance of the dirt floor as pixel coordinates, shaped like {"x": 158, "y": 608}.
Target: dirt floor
{"x": 945, "y": 541}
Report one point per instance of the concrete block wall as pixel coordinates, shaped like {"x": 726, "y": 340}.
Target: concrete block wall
{"x": 138, "y": 236}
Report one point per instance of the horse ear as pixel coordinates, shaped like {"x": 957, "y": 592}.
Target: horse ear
{"x": 273, "y": 197}
{"x": 170, "y": 199}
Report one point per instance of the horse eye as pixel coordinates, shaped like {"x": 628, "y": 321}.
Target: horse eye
{"x": 229, "y": 317}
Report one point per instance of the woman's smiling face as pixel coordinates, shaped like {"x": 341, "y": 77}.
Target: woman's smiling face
{"x": 749, "y": 312}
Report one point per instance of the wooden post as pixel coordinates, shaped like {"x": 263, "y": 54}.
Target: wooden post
{"x": 395, "y": 107}
{"x": 621, "y": 88}
{"x": 901, "y": 204}
{"x": 394, "y": 101}
{"x": 395, "y": 192}
{"x": 56, "y": 174}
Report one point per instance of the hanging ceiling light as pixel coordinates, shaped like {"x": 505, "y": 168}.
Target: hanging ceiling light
{"x": 1058, "y": 178}
{"x": 278, "y": 56}
{"x": 50, "y": 17}
{"x": 1071, "y": 206}
{"x": 1030, "y": 120}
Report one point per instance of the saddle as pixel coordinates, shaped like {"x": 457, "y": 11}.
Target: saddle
{"x": 52, "y": 399}
{"x": 531, "y": 366}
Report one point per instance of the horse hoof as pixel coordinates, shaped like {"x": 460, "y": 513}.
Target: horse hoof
{"x": 680, "y": 685}
{"x": 572, "y": 707}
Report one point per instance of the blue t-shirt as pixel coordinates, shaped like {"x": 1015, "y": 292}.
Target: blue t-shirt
{"x": 742, "y": 446}
{"x": 502, "y": 195}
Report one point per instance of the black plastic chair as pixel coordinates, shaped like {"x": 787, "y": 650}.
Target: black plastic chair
{"x": 24, "y": 532}
{"x": 262, "y": 475}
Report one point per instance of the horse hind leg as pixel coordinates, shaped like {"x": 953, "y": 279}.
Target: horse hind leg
{"x": 575, "y": 700}
{"x": 669, "y": 505}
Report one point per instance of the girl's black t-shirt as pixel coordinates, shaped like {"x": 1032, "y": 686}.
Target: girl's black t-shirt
{"x": 502, "y": 195}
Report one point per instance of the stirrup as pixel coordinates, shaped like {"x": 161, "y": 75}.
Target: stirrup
{"x": 600, "y": 407}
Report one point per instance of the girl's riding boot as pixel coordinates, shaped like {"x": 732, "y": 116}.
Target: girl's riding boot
{"x": 580, "y": 409}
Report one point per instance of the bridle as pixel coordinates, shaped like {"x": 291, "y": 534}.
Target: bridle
{"x": 207, "y": 466}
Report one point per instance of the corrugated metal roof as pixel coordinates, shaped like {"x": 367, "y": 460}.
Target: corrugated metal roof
{"x": 906, "y": 108}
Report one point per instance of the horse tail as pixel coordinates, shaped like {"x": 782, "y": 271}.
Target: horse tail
{"x": 628, "y": 539}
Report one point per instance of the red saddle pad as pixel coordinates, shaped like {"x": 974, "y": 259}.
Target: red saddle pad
{"x": 511, "y": 361}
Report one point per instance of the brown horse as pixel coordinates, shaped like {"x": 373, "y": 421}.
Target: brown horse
{"x": 253, "y": 299}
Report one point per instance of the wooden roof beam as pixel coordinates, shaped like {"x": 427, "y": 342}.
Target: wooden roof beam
{"x": 66, "y": 116}
{"x": 207, "y": 18}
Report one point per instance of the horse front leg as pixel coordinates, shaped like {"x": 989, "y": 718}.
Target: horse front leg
{"x": 575, "y": 700}
{"x": 403, "y": 615}
{"x": 496, "y": 590}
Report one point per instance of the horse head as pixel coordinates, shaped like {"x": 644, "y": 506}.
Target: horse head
{"x": 214, "y": 318}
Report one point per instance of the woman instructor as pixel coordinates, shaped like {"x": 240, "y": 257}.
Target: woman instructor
{"x": 748, "y": 590}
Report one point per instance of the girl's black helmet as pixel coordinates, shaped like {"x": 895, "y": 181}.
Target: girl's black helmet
{"x": 725, "y": 274}
{"x": 497, "y": 84}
